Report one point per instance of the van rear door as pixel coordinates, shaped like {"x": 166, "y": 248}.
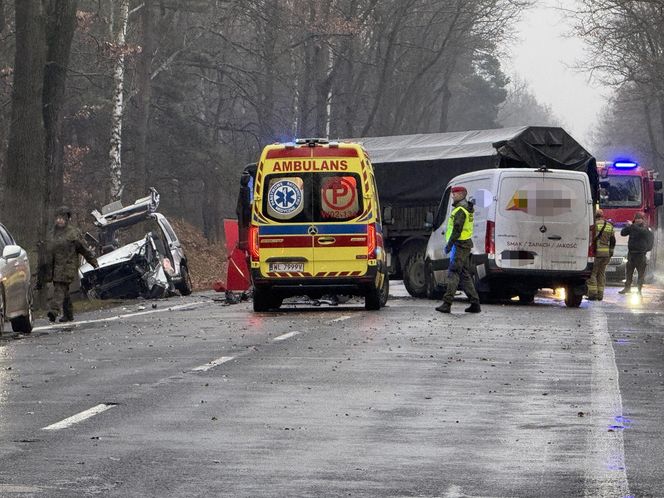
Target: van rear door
{"x": 342, "y": 213}
{"x": 542, "y": 221}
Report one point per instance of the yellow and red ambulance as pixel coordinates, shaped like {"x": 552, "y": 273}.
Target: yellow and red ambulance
{"x": 315, "y": 225}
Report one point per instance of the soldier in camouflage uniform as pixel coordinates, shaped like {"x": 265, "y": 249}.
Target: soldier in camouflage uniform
{"x": 62, "y": 263}
{"x": 459, "y": 243}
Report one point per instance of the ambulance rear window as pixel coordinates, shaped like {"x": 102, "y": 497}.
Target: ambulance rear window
{"x": 312, "y": 197}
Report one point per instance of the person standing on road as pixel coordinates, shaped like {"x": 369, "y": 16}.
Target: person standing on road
{"x": 640, "y": 241}
{"x": 62, "y": 263}
{"x": 605, "y": 241}
{"x": 459, "y": 243}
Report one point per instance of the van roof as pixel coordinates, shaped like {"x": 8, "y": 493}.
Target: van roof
{"x": 555, "y": 173}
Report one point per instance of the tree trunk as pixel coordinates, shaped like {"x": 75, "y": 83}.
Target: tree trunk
{"x": 23, "y": 203}
{"x": 60, "y": 26}
{"x": 144, "y": 82}
{"x": 115, "y": 153}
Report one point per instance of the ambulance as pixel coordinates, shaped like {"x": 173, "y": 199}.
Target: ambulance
{"x": 315, "y": 225}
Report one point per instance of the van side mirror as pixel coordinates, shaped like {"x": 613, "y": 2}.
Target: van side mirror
{"x": 388, "y": 219}
{"x": 428, "y": 221}
{"x": 657, "y": 184}
{"x": 659, "y": 199}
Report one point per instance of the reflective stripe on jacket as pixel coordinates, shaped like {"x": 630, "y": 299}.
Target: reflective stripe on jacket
{"x": 604, "y": 236}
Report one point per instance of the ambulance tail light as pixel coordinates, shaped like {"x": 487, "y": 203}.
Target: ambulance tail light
{"x": 490, "y": 238}
{"x": 591, "y": 243}
{"x": 371, "y": 241}
{"x": 253, "y": 243}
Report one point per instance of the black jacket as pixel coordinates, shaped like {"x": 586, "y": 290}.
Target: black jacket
{"x": 640, "y": 238}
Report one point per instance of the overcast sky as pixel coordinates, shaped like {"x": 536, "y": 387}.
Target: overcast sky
{"x": 544, "y": 55}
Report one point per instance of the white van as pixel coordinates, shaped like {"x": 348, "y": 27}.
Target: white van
{"x": 533, "y": 229}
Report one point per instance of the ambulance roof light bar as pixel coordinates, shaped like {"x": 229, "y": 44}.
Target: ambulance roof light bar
{"x": 311, "y": 142}
{"x": 625, "y": 164}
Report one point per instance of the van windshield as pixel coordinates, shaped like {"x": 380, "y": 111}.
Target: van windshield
{"x": 312, "y": 197}
{"x": 620, "y": 191}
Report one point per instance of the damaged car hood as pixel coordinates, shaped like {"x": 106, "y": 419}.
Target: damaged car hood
{"x": 120, "y": 255}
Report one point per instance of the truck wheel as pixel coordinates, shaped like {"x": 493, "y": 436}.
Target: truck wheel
{"x": 414, "y": 275}
{"x": 185, "y": 283}
{"x": 261, "y": 299}
{"x": 572, "y": 300}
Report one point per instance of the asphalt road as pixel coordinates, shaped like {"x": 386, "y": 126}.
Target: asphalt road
{"x": 195, "y": 398}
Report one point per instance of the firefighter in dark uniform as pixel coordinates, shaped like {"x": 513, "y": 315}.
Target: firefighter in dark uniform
{"x": 62, "y": 262}
{"x": 605, "y": 241}
{"x": 459, "y": 243}
{"x": 640, "y": 241}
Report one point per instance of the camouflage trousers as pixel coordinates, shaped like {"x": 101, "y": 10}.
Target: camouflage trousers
{"x": 60, "y": 303}
{"x": 597, "y": 279}
{"x": 460, "y": 273}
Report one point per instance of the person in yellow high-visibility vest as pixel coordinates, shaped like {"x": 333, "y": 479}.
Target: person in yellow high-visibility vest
{"x": 459, "y": 243}
{"x": 605, "y": 241}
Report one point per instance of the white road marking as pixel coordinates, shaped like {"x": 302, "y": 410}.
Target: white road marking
{"x": 212, "y": 364}
{"x": 285, "y": 336}
{"x": 605, "y": 472}
{"x": 79, "y": 417}
{"x": 340, "y": 319}
{"x": 116, "y": 317}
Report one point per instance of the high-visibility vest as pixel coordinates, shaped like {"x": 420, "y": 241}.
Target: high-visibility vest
{"x": 602, "y": 247}
{"x": 466, "y": 231}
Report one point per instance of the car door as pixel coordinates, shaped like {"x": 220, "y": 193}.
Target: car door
{"x": 15, "y": 276}
{"x": 174, "y": 246}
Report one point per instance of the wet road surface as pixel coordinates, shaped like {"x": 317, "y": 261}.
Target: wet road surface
{"x": 194, "y": 398}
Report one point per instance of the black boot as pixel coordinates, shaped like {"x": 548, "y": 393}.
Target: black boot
{"x": 51, "y": 316}
{"x": 444, "y": 308}
{"x": 473, "y": 308}
{"x": 626, "y": 290}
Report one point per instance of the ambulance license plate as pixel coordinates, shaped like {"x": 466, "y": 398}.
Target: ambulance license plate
{"x": 285, "y": 267}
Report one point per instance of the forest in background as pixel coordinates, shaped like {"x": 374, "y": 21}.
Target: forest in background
{"x": 111, "y": 97}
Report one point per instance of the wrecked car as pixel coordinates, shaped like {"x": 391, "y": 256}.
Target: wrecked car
{"x": 152, "y": 266}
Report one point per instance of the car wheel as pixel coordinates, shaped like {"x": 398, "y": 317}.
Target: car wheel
{"x": 2, "y": 311}
{"x": 23, "y": 324}
{"x": 184, "y": 286}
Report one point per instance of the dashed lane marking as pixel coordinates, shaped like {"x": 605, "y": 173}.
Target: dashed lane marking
{"x": 213, "y": 363}
{"x": 285, "y": 336}
{"x": 116, "y": 317}
{"x": 79, "y": 417}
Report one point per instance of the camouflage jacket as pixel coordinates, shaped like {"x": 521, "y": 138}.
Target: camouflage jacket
{"x": 63, "y": 254}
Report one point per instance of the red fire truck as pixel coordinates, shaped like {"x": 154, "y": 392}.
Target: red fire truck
{"x": 625, "y": 188}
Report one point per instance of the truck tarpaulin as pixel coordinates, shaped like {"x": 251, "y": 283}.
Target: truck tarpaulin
{"x": 435, "y": 158}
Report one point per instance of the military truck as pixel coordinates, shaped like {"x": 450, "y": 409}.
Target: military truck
{"x": 412, "y": 172}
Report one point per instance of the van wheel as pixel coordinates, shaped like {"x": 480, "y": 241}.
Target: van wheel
{"x": 385, "y": 290}
{"x": 527, "y": 297}
{"x": 261, "y": 299}
{"x": 2, "y": 311}
{"x": 414, "y": 275}
{"x": 433, "y": 291}
{"x": 572, "y": 300}
{"x": 23, "y": 324}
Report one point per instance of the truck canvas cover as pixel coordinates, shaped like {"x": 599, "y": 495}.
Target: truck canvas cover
{"x": 413, "y": 170}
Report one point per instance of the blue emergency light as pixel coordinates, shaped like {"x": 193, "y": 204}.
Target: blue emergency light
{"x": 625, "y": 164}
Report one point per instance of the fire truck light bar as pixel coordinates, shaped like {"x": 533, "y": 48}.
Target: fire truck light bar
{"x": 625, "y": 164}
